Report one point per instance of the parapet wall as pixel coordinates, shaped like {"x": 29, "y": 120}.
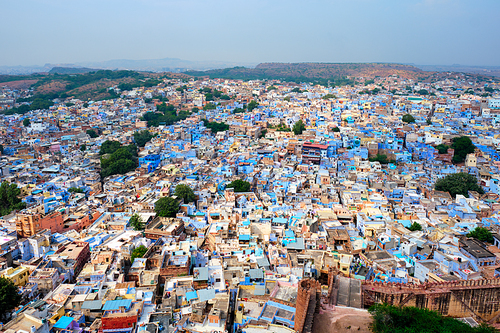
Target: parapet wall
{"x": 306, "y": 303}
{"x": 477, "y": 298}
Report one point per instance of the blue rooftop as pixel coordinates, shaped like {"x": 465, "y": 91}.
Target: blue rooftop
{"x": 117, "y": 304}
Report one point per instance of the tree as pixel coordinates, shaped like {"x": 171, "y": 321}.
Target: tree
{"x": 209, "y": 106}
{"x": 442, "y": 149}
{"x": 83, "y": 147}
{"x": 239, "y": 185}
{"x": 26, "y": 122}
{"x": 381, "y": 158}
{"x": 92, "y": 133}
{"x": 299, "y": 127}
{"x": 138, "y": 252}
{"x": 415, "y": 227}
{"x": 215, "y": 126}
{"x": 166, "y": 207}
{"x": 120, "y": 161}
{"x": 1, "y": 149}
{"x": 482, "y": 234}
{"x": 136, "y": 222}
{"x": 9, "y": 198}
{"x": 75, "y": 190}
{"x": 9, "y": 297}
{"x": 458, "y": 183}
{"x": 407, "y": 319}
{"x": 252, "y": 105}
{"x": 142, "y": 137}
{"x": 85, "y": 105}
{"x": 109, "y": 147}
{"x": 329, "y": 96}
{"x": 287, "y": 98}
{"x": 185, "y": 192}
{"x": 336, "y": 129}
{"x": 408, "y": 118}
{"x": 463, "y": 145}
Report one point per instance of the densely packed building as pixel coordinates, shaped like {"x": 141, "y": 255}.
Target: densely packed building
{"x": 351, "y": 194}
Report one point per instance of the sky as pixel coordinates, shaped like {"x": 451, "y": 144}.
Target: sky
{"x": 424, "y": 32}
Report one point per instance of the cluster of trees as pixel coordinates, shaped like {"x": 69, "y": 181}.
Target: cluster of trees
{"x": 458, "y": 183}
{"x": 209, "y": 106}
{"x": 442, "y": 148}
{"x": 239, "y": 185}
{"x": 408, "y": 118}
{"x": 119, "y": 160}
{"x": 142, "y": 137}
{"x": 75, "y": 190}
{"x": 299, "y": 127}
{"x": 185, "y": 193}
{"x": 38, "y": 102}
{"x": 280, "y": 128}
{"x": 164, "y": 115}
{"x": 9, "y": 198}
{"x": 329, "y": 96}
{"x": 215, "y": 126}
{"x": 252, "y": 105}
{"x": 136, "y": 222}
{"x": 166, "y": 207}
{"x": 415, "y": 227}
{"x": 395, "y": 319}
{"x": 138, "y": 252}
{"x": 26, "y": 122}
{"x": 92, "y": 133}
{"x": 482, "y": 234}
{"x": 463, "y": 145}
{"x": 239, "y": 110}
{"x": 10, "y": 297}
{"x": 381, "y": 158}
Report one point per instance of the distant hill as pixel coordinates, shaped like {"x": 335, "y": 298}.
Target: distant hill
{"x": 71, "y": 70}
{"x": 480, "y": 70}
{"x": 301, "y": 72}
{"x": 173, "y": 65}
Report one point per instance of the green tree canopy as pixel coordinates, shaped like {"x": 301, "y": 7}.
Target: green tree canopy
{"x": 209, "y": 106}
{"x": 92, "y": 133}
{"x": 142, "y": 137}
{"x": 415, "y": 227}
{"x": 166, "y": 207}
{"x": 9, "y": 297}
{"x": 26, "y": 122}
{"x": 138, "y": 252}
{"x": 252, "y": 105}
{"x": 215, "y": 126}
{"x": 381, "y": 158}
{"x": 482, "y": 234}
{"x": 1, "y": 149}
{"x": 336, "y": 129}
{"x": 299, "y": 127}
{"x": 462, "y": 145}
{"x": 83, "y": 147}
{"x": 395, "y": 319}
{"x": 185, "y": 192}
{"x": 9, "y": 198}
{"x": 120, "y": 161}
{"x": 458, "y": 183}
{"x": 75, "y": 190}
{"x": 408, "y": 118}
{"x": 442, "y": 149}
{"x": 109, "y": 147}
{"x": 136, "y": 222}
{"x": 239, "y": 185}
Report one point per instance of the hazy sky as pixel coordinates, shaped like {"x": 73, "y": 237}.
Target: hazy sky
{"x": 445, "y": 32}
